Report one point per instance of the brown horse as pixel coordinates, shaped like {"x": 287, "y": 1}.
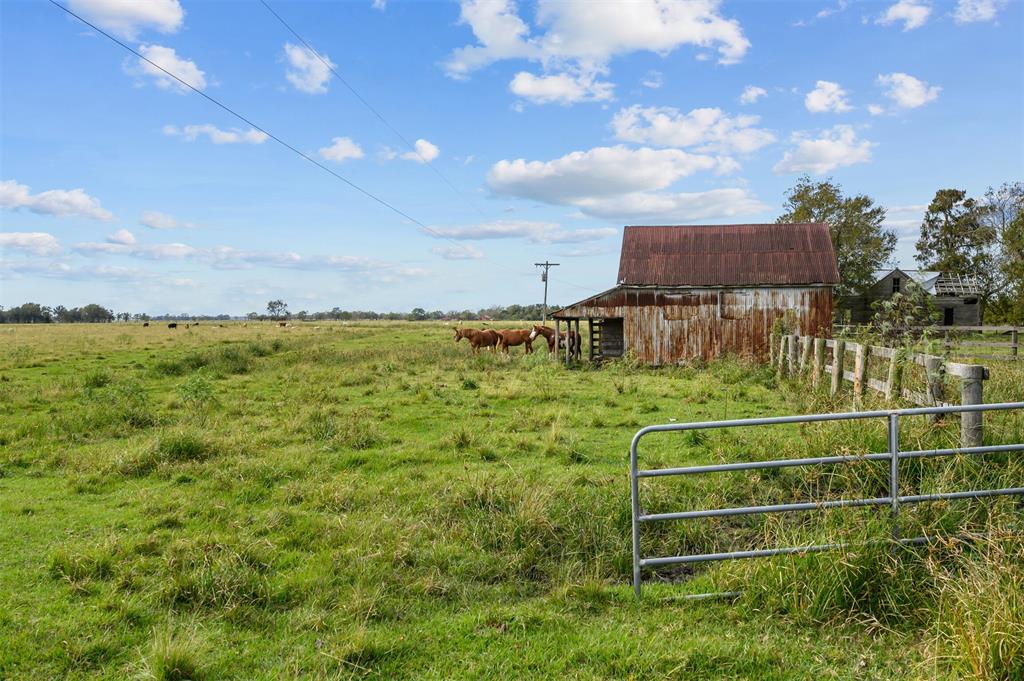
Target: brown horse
{"x": 510, "y": 337}
{"x": 548, "y": 333}
{"x": 570, "y": 339}
{"x": 486, "y": 338}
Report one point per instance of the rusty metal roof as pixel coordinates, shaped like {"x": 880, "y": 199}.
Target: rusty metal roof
{"x": 727, "y": 255}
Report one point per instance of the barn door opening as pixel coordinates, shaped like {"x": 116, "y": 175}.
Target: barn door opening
{"x": 947, "y": 317}
{"x": 609, "y": 340}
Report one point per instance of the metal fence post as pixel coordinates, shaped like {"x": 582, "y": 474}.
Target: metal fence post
{"x": 894, "y": 471}
{"x": 971, "y": 393}
{"x": 634, "y": 490}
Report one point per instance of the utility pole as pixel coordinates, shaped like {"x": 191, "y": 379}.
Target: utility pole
{"x": 544, "y": 277}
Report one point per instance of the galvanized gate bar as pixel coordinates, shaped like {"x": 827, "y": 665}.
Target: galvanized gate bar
{"x": 893, "y": 456}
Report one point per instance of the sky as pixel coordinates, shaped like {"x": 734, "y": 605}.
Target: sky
{"x": 482, "y": 136}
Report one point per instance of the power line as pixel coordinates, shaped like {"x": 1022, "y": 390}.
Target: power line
{"x": 370, "y": 107}
{"x": 330, "y": 66}
{"x": 266, "y": 132}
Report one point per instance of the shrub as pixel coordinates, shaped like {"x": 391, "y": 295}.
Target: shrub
{"x": 196, "y": 392}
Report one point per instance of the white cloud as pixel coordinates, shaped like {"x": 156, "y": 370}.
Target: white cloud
{"x": 121, "y": 236}
{"x": 425, "y": 152}
{"x": 652, "y": 80}
{"x": 833, "y": 148}
{"x": 971, "y": 11}
{"x": 191, "y": 133}
{"x": 58, "y": 202}
{"x": 62, "y": 270}
{"x": 340, "y": 149}
{"x": 875, "y": 110}
{"x": 826, "y": 96}
{"x": 531, "y": 230}
{"x": 905, "y": 219}
{"x": 708, "y": 129}
{"x": 576, "y": 39}
{"x": 561, "y": 88}
{"x": 126, "y": 18}
{"x": 465, "y": 252}
{"x": 307, "y": 73}
{"x": 752, "y": 93}
{"x": 908, "y": 92}
{"x": 157, "y": 220}
{"x": 599, "y": 171}
{"x": 673, "y": 206}
{"x": 36, "y": 243}
{"x": 621, "y": 184}
{"x": 380, "y": 5}
{"x": 227, "y": 257}
{"x": 168, "y": 60}
{"x": 590, "y": 33}
{"x": 913, "y": 14}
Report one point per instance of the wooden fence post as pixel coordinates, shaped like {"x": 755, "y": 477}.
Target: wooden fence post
{"x": 819, "y": 361}
{"x": 805, "y": 354}
{"x": 894, "y": 384}
{"x": 793, "y": 354}
{"x": 558, "y": 325}
{"x": 1014, "y": 336}
{"x": 782, "y": 353}
{"x": 860, "y": 370}
{"x": 838, "y": 353}
{"x": 971, "y": 393}
{"x": 934, "y": 372}
{"x": 771, "y": 349}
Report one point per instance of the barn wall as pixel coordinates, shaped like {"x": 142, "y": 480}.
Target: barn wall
{"x": 668, "y": 326}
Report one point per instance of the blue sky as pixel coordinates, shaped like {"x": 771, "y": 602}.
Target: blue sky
{"x": 556, "y": 123}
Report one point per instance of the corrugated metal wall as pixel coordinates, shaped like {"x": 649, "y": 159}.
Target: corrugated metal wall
{"x": 667, "y": 326}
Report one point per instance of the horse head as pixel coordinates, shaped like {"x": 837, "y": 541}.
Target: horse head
{"x": 458, "y": 334}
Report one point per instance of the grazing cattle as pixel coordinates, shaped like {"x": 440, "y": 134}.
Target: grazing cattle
{"x": 282, "y": 323}
{"x": 510, "y": 337}
{"x": 548, "y": 333}
{"x": 487, "y": 338}
{"x": 145, "y": 323}
{"x": 172, "y": 325}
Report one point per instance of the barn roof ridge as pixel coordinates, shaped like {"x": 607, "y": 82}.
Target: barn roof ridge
{"x": 754, "y": 254}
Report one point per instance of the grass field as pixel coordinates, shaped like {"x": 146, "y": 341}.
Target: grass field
{"x": 368, "y": 500}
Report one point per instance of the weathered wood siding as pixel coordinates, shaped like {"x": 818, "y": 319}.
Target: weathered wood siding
{"x": 664, "y": 326}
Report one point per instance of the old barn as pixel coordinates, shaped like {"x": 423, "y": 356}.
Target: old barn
{"x": 700, "y": 291}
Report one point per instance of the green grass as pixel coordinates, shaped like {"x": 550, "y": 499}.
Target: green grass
{"x": 369, "y": 500}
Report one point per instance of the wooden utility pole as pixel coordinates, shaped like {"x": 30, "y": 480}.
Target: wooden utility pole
{"x": 544, "y": 277}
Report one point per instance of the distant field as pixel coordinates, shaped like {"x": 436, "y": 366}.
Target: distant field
{"x": 370, "y": 501}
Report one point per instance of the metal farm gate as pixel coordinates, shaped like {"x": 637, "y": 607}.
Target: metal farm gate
{"x": 894, "y": 500}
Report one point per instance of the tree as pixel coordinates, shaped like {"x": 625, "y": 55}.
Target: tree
{"x": 862, "y": 245}
{"x": 1003, "y": 215}
{"x": 277, "y": 309}
{"x": 956, "y": 238}
{"x": 418, "y": 314}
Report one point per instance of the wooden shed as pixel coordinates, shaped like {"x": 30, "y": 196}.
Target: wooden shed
{"x": 700, "y": 291}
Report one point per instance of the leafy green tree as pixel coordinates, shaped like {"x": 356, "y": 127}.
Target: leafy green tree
{"x": 957, "y": 238}
{"x": 1003, "y": 215}
{"x": 862, "y": 245}
{"x": 277, "y": 309}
